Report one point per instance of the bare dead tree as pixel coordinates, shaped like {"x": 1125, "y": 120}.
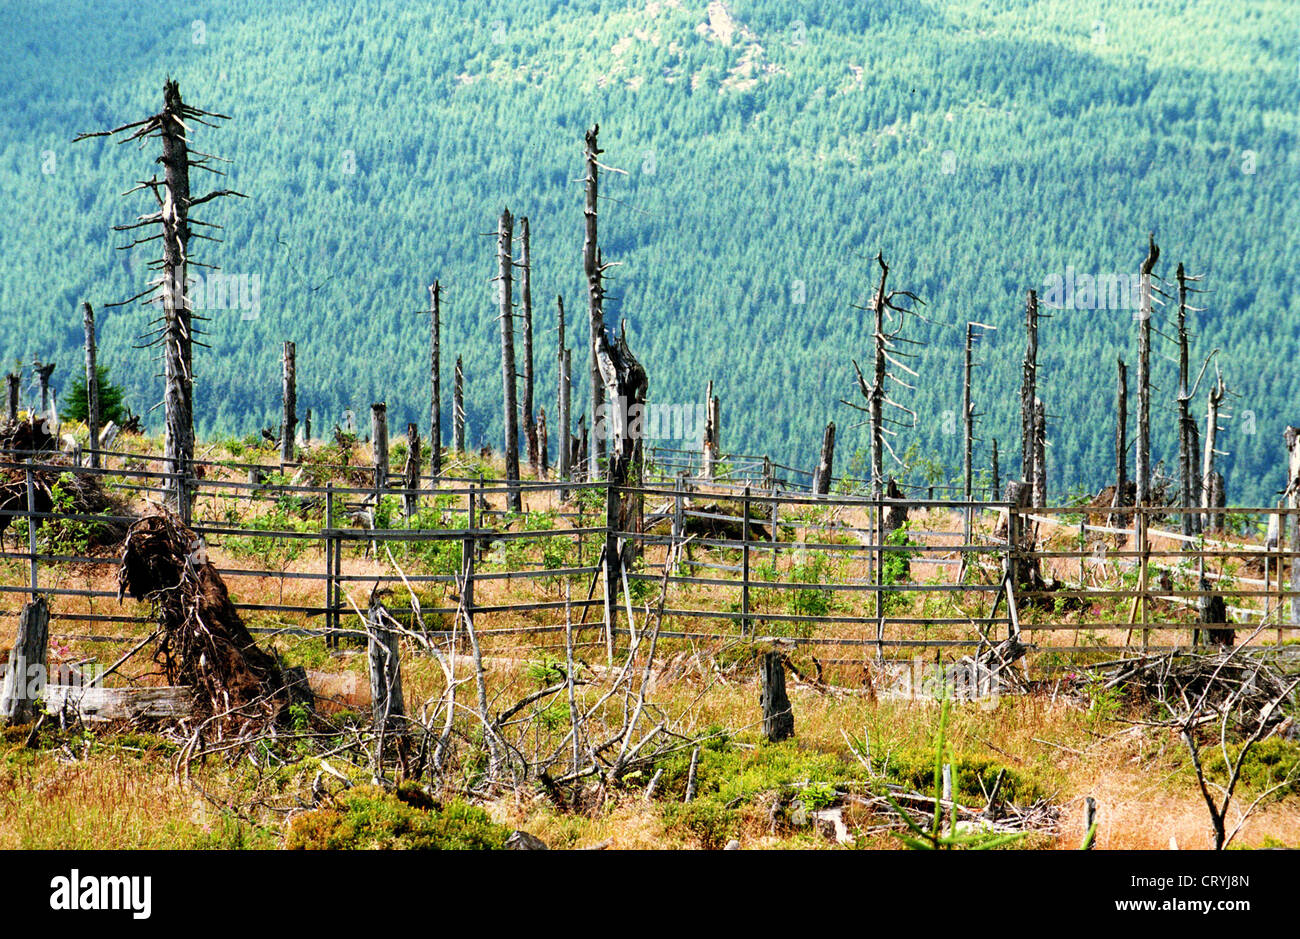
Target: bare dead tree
{"x": 1146, "y": 303}
{"x": 526, "y": 299}
{"x": 14, "y": 382}
{"x": 92, "y": 383}
{"x": 458, "y": 410}
{"x": 435, "y": 379}
{"x": 43, "y": 371}
{"x": 543, "y": 449}
{"x": 709, "y": 446}
{"x": 995, "y": 490}
{"x": 826, "y": 465}
{"x": 594, "y": 268}
{"x": 1212, "y": 521}
{"x": 505, "y": 316}
{"x": 1121, "y": 441}
{"x": 564, "y": 361}
{"x": 1040, "y": 453}
{"x": 172, "y": 126}
{"x": 969, "y": 417}
{"x": 887, "y": 353}
{"x": 289, "y": 396}
{"x": 1029, "y": 391}
{"x": 411, "y": 471}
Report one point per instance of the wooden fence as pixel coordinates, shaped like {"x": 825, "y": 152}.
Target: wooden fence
{"x": 832, "y": 572}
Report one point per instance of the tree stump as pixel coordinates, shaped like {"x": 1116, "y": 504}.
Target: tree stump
{"x": 24, "y": 679}
{"x": 778, "y": 716}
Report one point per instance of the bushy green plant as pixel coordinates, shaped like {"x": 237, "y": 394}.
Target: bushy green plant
{"x": 368, "y": 818}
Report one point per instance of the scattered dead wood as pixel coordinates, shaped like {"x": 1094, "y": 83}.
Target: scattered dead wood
{"x": 32, "y": 434}
{"x": 204, "y": 643}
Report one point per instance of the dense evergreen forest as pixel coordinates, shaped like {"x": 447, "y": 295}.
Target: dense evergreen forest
{"x": 771, "y": 148}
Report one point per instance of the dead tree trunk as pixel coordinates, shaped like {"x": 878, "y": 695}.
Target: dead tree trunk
{"x": 92, "y": 383}
{"x": 996, "y": 488}
{"x": 24, "y": 679}
{"x": 778, "y": 715}
{"x": 526, "y": 298}
{"x": 1146, "y": 301}
{"x": 458, "y": 410}
{"x": 564, "y": 399}
{"x": 1291, "y": 436}
{"x": 825, "y": 468}
{"x": 967, "y": 417}
{"x": 411, "y": 471}
{"x": 379, "y": 447}
{"x": 543, "y": 450}
{"x": 289, "y": 422}
{"x": 306, "y": 428}
{"x": 709, "y": 446}
{"x": 388, "y": 708}
{"x": 435, "y": 379}
{"x": 43, "y": 372}
{"x": 1121, "y": 443}
{"x": 1040, "y": 454}
{"x": 1211, "y": 521}
{"x": 14, "y": 381}
{"x": 1185, "y": 495}
{"x": 510, "y": 405}
{"x": 1029, "y": 391}
{"x": 176, "y": 333}
{"x": 592, "y": 269}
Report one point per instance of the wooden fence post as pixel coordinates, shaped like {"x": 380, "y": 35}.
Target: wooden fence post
{"x": 468, "y": 550}
{"x": 679, "y": 510}
{"x": 778, "y": 716}
{"x": 744, "y": 564}
{"x": 17, "y": 706}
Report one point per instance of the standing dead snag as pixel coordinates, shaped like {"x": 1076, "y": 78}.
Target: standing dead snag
{"x": 625, "y": 389}
{"x": 411, "y": 471}
{"x": 969, "y": 416}
{"x": 1146, "y": 302}
{"x": 435, "y": 379}
{"x": 379, "y": 446}
{"x": 825, "y": 467}
{"x": 1291, "y": 437}
{"x": 709, "y": 446}
{"x": 1121, "y": 444}
{"x": 172, "y": 126}
{"x": 1212, "y": 521}
{"x": 289, "y": 423}
{"x": 458, "y": 410}
{"x": 1029, "y": 392}
{"x": 563, "y": 401}
{"x": 92, "y": 383}
{"x": 14, "y": 382}
{"x": 1040, "y": 453}
{"x": 543, "y": 451}
{"x": 526, "y": 298}
{"x": 593, "y": 270}
{"x": 505, "y": 316}
{"x": 886, "y": 354}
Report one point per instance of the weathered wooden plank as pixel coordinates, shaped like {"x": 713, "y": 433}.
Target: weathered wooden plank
{"x": 113, "y": 704}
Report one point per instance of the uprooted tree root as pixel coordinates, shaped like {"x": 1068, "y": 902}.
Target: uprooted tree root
{"x": 203, "y": 642}
{"x": 88, "y": 497}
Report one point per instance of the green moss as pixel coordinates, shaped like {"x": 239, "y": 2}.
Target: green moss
{"x": 367, "y": 818}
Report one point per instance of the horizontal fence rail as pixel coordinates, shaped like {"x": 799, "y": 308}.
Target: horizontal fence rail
{"x": 819, "y": 571}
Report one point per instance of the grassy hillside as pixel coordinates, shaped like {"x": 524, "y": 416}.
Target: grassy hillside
{"x": 771, "y": 149}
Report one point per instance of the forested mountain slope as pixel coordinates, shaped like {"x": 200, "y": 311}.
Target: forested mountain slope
{"x": 771, "y": 149}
